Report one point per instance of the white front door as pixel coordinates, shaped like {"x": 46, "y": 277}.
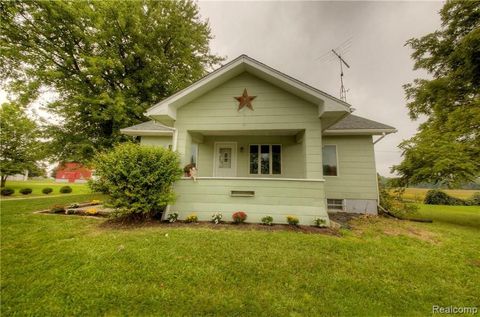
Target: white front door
{"x": 225, "y": 159}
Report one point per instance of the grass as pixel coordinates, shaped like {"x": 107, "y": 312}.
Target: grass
{"x": 56, "y": 265}
{"x": 458, "y": 215}
{"x": 37, "y": 187}
{"x": 418, "y": 194}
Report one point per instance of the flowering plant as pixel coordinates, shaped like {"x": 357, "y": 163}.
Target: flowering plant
{"x": 172, "y": 217}
{"x": 320, "y": 222}
{"x": 217, "y": 217}
{"x": 239, "y": 217}
{"x": 74, "y": 205}
{"x": 91, "y": 211}
{"x": 191, "y": 218}
{"x": 267, "y": 220}
{"x": 292, "y": 220}
{"x": 95, "y": 202}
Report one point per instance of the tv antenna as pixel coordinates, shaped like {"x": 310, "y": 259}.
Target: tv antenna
{"x": 338, "y": 53}
{"x": 343, "y": 91}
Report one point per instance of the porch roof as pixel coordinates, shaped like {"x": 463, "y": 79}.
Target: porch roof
{"x": 148, "y": 128}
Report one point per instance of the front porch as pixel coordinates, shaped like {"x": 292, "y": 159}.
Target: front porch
{"x": 258, "y": 197}
{"x": 261, "y": 172}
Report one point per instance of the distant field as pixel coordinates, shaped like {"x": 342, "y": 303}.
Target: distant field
{"x": 418, "y": 194}
{"x": 37, "y": 187}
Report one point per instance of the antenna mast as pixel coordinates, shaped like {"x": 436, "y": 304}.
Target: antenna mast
{"x": 343, "y": 91}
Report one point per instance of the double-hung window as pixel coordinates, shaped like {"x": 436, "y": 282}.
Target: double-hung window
{"x": 265, "y": 159}
{"x": 329, "y": 157}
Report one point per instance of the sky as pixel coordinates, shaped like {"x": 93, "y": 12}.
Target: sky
{"x": 296, "y": 38}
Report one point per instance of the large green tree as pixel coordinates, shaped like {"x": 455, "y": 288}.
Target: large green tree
{"x": 105, "y": 62}
{"x": 20, "y": 148}
{"x": 446, "y": 148}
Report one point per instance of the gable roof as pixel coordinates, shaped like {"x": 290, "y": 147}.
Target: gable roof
{"x": 147, "y": 128}
{"x": 353, "y": 124}
{"x": 165, "y": 110}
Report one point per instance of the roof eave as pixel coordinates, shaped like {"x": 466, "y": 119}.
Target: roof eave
{"x": 145, "y": 132}
{"x": 359, "y": 132}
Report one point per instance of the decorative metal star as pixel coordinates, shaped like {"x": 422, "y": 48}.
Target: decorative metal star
{"x": 245, "y": 100}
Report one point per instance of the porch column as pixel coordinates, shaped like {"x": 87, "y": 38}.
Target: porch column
{"x": 312, "y": 144}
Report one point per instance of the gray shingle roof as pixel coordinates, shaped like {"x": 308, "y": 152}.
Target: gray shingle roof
{"x": 148, "y": 126}
{"x": 352, "y": 122}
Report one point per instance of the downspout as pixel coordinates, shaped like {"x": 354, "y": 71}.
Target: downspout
{"x": 175, "y": 139}
{"x": 380, "y": 138}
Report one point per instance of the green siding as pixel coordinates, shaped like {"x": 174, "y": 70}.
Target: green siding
{"x": 164, "y": 141}
{"x": 276, "y": 198}
{"x": 274, "y": 109}
{"x": 356, "y": 168}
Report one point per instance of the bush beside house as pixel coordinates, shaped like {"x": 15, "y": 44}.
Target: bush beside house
{"x": 138, "y": 178}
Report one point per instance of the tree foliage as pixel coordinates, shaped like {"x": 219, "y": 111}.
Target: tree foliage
{"x": 446, "y": 148}
{"x": 105, "y": 61}
{"x": 138, "y": 178}
{"x": 20, "y": 148}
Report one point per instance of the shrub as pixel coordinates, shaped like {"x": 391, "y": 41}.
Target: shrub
{"x": 96, "y": 202}
{"x": 57, "y": 209}
{"x": 74, "y": 205}
{"x": 25, "y": 191}
{"x": 474, "y": 200}
{"x": 7, "y": 191}
{"x": 239, "y": 217}
{"x": 47, "y": 190}
{"x": 217, "y": 217}
{"x": 66, "y": 190}
{"x": 292, "y": 220}
{"x": 320, "y": 222}
{"x": 438, "y": 197}
{"x": 138, "y": 178}
{"x": 267, "y": 220}
{"x": 173, "y": 217}
{"x": 191, "y": 218}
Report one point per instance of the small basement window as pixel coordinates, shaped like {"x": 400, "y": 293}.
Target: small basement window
{"x": 335, "y": 204}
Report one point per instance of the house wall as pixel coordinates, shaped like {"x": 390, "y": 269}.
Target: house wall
{"x": 293, "y": 161}
{"x": 273, "y": 197}
{"x": 357, "y": 179}
{"x": 164, "y": 141}
{"x": 274, "y": 109}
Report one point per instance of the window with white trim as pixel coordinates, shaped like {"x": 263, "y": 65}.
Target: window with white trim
{"x": 329, "y": 158}
{"x": 265, "y": 159}
{"x": 335, "y": 204}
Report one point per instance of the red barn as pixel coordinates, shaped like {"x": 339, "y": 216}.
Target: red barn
{"x": 72, "y": 173}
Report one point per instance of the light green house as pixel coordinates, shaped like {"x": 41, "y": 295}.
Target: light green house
{"x": 266, "y": 144}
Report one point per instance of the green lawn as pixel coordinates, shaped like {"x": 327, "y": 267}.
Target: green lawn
{"x": 56, "y": 265}
{"x": 37, "y": 187}
{"x": 418, "y": 194}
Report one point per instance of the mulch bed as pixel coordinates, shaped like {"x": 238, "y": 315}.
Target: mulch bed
{"x": 128, "y": 224}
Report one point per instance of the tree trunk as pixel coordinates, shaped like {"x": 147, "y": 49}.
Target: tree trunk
{"x": 4, "y": 180}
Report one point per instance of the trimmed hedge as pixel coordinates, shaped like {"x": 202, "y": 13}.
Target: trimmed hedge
{"x": 66, "y": 190}
{"x": 7, "y": 191}
{"x": 25, "y": 191}
{"x": 47, "y": 190}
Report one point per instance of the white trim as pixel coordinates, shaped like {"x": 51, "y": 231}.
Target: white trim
{"x": 336, "y": 158}
{"x": 145, "y": 132}
{"x": 215, "y": 148}
{"x": 359, "y": 131}
{"x": 259, "y": 178}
